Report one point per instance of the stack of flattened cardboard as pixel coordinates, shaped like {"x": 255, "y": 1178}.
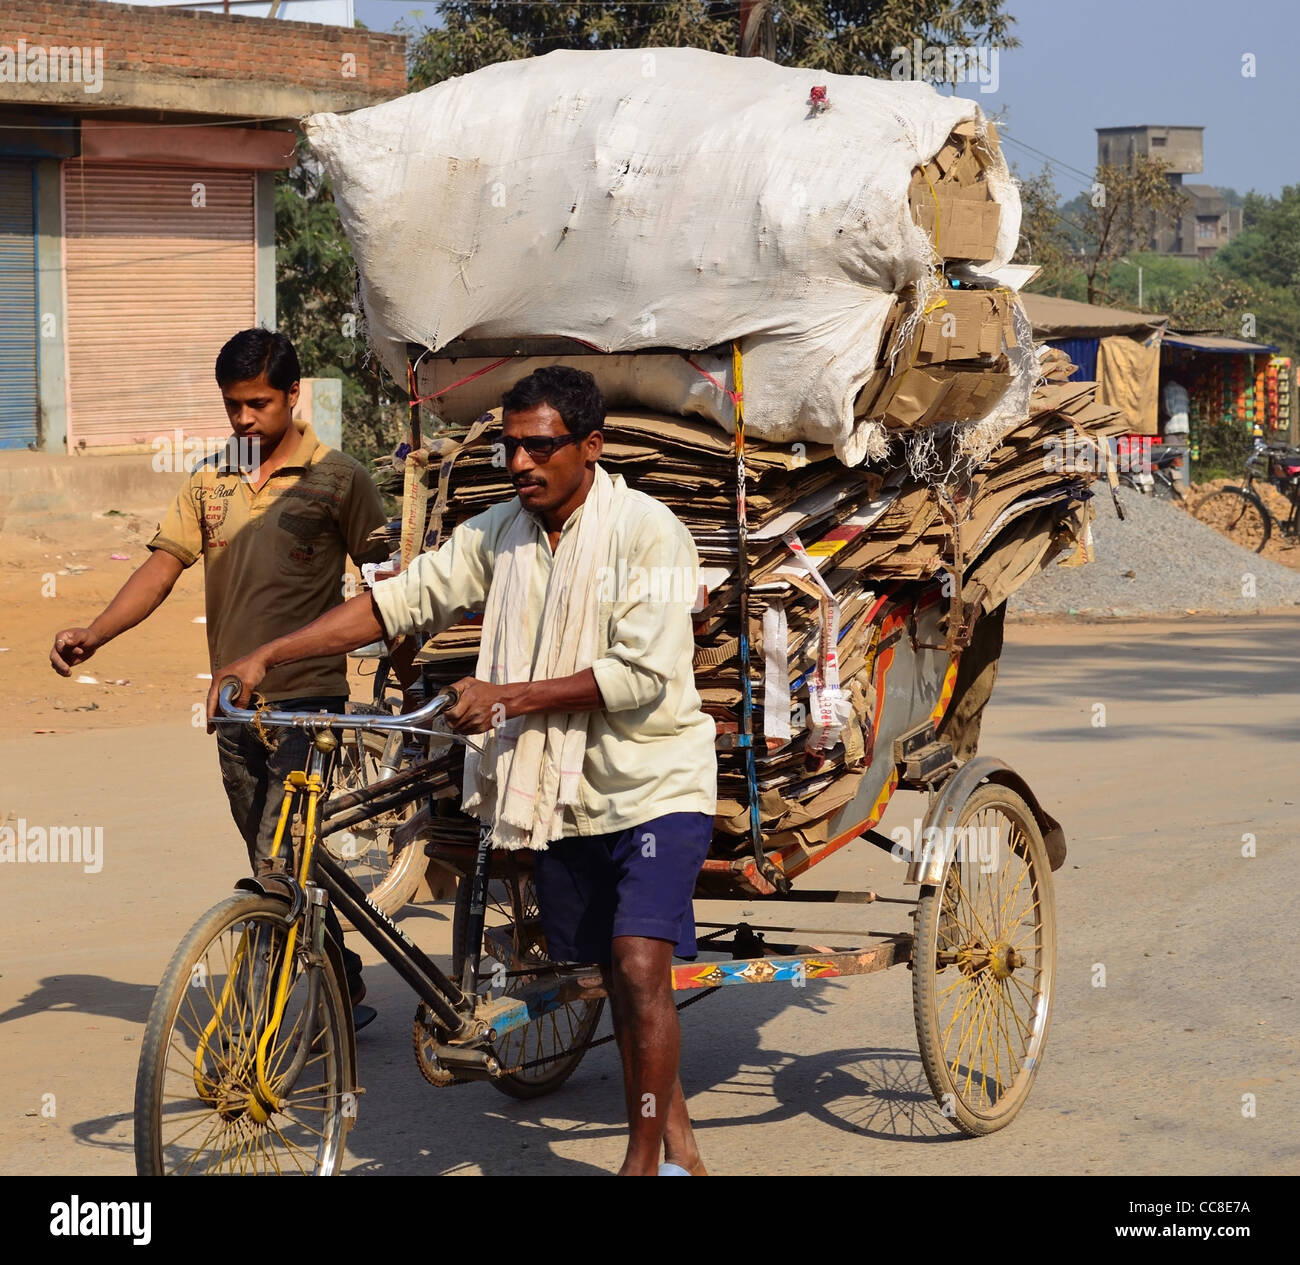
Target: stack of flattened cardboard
{"x": 951, "y": 199}
{"x": 870, "y": 532}
{"x": 947, "y": 361}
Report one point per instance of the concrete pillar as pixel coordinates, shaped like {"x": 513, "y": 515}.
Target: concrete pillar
{"x": 264, "y": 215}
{"x": 52, "y": 358}
{"x": 320, "y": 405}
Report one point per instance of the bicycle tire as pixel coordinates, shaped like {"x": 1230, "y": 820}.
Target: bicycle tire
{"x": 224, "y": 1104}
{"x": 1238, "y": 514}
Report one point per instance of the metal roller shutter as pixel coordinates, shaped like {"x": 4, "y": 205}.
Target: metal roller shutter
{"x": 156, "y": 285}
{"x": 18, "y": 334}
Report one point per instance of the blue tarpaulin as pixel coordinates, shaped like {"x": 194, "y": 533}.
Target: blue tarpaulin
{"x": 1083, "y": 351}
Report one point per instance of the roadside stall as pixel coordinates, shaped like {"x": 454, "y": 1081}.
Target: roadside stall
{"x": 1120, "y": 351}
{"x": 1230, "y": 382}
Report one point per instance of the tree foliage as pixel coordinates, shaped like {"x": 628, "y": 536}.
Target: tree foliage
{"x": 1125, "y": 208}
{"x": 315, "y": 287}
{"x": 850, "y": 37}
{"x": 1268, "y": 246}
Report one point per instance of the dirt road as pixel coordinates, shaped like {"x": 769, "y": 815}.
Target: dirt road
{"x": 1146, "y": 1073}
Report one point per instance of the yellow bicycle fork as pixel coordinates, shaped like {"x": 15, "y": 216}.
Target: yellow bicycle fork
{"x": 263, "y": 1102}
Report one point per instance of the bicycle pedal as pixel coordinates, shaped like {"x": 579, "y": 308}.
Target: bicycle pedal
{"x": 473, "y": 1064}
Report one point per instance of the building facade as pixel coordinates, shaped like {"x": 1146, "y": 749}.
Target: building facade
{"x": 1206, "y": 222}
{"x": 138, "y": 152}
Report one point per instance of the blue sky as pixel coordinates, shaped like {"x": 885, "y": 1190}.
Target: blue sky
{"x": 1111, "y": 63}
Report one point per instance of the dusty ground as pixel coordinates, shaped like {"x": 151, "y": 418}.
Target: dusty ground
{"x": 60, "y": 572}
{"x": 1149, "y": 1073}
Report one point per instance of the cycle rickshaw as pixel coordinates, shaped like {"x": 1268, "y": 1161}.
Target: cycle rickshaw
{"x": 249, "y": 1061}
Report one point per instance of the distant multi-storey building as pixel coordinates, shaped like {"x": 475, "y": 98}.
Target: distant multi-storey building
{"x": 1206, "y": 221}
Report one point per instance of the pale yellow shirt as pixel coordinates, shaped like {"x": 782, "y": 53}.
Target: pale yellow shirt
{"x": 650, "y": 749}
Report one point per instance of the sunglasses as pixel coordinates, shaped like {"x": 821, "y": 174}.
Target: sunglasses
{"x": 538, "y": 447}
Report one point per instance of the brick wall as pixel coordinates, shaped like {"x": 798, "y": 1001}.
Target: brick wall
{"x": 180, "y": 44}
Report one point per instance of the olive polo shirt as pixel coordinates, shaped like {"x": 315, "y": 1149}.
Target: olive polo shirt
{"x": 274, "y": 558}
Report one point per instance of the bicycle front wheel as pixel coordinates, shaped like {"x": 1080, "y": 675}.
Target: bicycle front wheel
{"x": 1236, "y": 514}
{"x": 199, "y": 1106}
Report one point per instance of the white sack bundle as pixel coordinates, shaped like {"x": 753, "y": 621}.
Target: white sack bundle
{"x": 652, "y": 198}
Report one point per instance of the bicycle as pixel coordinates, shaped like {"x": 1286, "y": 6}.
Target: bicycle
{"x": 248, "y": 1062}
{"x": 1240, "y": 512}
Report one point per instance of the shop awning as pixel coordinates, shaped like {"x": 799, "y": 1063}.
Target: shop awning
{"x": 1223, "y": 346}
{"x": 1054, "y": 318}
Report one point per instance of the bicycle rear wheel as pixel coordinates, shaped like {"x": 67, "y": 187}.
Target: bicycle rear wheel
{"x": 197, "y": 1108}
{"x": 985, "y": 965}
{"x": 1238, "y": 515}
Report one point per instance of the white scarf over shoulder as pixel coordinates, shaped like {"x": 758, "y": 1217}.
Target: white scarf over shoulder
{"x": 530, "y": 767}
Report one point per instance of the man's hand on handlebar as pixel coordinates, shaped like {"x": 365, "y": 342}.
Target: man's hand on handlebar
{"x": 480, "y": 706}
{"x": 248, "y": 671}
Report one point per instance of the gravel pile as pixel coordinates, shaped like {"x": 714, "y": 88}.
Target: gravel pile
{"x": 1158, "y": 561}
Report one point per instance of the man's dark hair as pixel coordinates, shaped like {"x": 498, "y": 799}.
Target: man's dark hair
{"x": 572, "y": 393}
{"x": 253, "y": 352}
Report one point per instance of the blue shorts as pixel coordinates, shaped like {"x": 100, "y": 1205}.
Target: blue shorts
{"x": 635, "y": 882}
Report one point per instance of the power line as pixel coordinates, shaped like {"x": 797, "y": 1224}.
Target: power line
{"x": 1056, "y": 162}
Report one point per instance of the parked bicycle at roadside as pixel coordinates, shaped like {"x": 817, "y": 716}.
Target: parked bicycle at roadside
{"x": 1239, "y": 512}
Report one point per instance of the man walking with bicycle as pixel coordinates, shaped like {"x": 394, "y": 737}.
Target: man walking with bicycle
{"x": 598, "y": 755}
{"x": 274, "y": 516}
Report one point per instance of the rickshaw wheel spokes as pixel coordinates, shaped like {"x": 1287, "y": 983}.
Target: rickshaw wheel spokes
{"x": 985, "y": 963}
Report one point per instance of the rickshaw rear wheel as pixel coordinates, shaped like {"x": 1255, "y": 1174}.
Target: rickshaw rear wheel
{"x": 985, "y": 963}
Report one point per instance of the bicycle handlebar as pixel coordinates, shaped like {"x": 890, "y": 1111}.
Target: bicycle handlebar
{"x": 1275, "y": 448}
{"x": 406, "y": 722}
